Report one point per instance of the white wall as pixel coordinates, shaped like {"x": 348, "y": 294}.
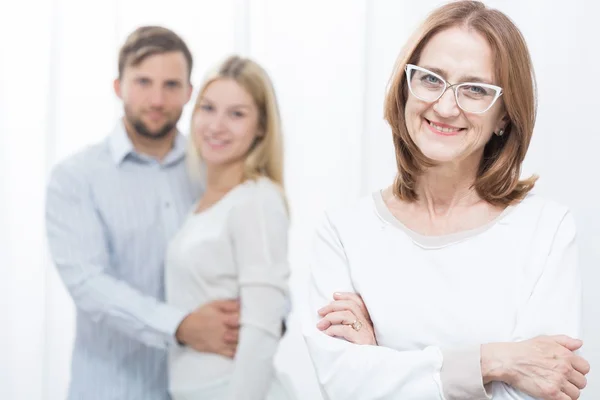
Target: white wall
{"x": 330, "y": 62}
{"x": 23, "y": 119}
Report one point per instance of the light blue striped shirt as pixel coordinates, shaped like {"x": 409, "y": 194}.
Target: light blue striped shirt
{"x": 110, "y": 214}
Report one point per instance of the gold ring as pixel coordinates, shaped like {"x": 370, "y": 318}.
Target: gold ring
{"x": 356, "y": 325}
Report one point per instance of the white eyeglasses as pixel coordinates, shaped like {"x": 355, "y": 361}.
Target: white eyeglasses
{"x": 472, "y": 97}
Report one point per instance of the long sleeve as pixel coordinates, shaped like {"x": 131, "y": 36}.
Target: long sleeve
{"x": 349, "y": 371}
{"x": 79, "y": 248}
{"x": 259, "y": 232}
{"x": 554, "y": 305}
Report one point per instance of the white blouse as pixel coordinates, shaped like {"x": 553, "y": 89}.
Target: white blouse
{"x": 434, "y": 300}
{"x": 237, "y": 248}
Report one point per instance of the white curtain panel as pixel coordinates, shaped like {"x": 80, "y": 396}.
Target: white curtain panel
{"x": 330, "y": 61}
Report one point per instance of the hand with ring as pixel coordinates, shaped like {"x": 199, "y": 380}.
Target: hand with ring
{"x": 347, "y": 317}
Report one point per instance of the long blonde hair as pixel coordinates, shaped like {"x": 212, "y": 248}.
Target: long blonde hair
{"x": 265, "y": 157}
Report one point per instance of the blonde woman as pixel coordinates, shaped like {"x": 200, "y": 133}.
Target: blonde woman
{"x": 233, "y": 244}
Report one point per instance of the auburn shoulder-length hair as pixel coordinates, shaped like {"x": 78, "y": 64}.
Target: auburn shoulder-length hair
{"x": 265, "y": 157}
{"x": 498, "y": 177}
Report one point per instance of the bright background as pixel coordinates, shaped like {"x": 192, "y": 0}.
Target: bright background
{"x": 330, "y": 61}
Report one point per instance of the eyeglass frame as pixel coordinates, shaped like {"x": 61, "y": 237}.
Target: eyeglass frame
{"x": 448, "y": 85}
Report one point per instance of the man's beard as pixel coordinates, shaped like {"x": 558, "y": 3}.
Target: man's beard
{"x": 143, "y": 130}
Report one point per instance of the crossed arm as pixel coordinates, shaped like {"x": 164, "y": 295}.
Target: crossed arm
{"x": 545, "y": 367}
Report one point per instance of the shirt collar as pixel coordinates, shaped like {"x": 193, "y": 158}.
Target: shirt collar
{"x": 121, "y": 147}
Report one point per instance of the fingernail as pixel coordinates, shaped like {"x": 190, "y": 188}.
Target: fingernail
{"x": 337, "y": 294}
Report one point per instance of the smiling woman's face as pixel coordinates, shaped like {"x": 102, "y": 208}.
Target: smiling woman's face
{"x": 443, "y": 131}
{"x": 225, "y": 123}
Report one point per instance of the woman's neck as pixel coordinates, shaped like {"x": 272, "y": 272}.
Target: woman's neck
{"x": 445, "y": 187}
{"x": 220, "y": 179}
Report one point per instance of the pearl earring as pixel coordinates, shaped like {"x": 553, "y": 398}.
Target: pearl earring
{"x": 500, "y": 132}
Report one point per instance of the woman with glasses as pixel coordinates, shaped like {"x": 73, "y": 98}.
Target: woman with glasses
{"x": 456, "y": 281}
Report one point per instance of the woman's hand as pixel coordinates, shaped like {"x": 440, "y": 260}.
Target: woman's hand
{"x": 347, "y": 317}
{"x": 544, "y": 367}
